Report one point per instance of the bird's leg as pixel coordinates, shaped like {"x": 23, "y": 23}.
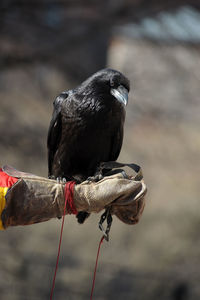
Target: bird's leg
{"x": 98, "y": 175}
{"x": 95, "y": 178}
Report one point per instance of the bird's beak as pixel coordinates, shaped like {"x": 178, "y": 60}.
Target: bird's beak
{"x": 121, "y": 94}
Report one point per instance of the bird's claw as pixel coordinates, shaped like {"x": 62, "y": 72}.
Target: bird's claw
{"x": 94, "y": 178}
{"x": 61, "y": 180}
{"x": 98, "y": 174}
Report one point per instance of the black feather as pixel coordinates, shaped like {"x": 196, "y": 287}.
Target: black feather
{"x": 86, "y": 127}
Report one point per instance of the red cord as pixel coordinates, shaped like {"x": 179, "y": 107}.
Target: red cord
{"x": 61, "y": 232}
{"x": 69, "y": 191}
{"x": 69, "y": 203}
{"x": 95, "y": 269}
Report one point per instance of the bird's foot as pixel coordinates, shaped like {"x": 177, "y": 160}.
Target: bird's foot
{"x": 94, "y": 178}
{"x": 98, "y": 174}
{"x": 58, "y": 179}
{"x": 61, "y": 180}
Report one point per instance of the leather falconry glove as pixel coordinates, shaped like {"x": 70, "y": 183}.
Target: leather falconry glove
{"x": 27, "y": 199}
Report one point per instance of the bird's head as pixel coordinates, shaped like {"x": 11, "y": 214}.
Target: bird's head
{"x": 109, "y": 81}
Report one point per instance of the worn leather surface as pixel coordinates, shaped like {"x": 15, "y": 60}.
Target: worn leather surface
{"x": 129, "y": 209}
{"x": 16, "y": 173}
{"x": 34, "y": 199}
{"x": 124, "y": 193}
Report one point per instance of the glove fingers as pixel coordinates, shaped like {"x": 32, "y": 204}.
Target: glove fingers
{"x": 129, "y": 214}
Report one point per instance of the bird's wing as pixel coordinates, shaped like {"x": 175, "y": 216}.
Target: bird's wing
{"x": 116, "y": 143}
{"x": 55, "y": 130}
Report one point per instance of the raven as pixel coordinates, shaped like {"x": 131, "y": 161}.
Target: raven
{"x": 87, "y": 126}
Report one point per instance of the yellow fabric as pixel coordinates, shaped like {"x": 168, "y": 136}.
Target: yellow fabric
{"x": 3, "y": 191}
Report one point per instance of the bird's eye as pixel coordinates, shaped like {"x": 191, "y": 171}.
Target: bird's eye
{"x": 111, "y": 83}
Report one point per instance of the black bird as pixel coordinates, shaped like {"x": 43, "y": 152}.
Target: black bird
{"x": 87, "y": 126}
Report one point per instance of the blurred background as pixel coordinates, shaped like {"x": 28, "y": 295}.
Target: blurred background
{"x": 49, "y": 46}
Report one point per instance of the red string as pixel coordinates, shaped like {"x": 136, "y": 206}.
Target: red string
{"x": 71, "y": 209}
{"x": 95, "y": 269}
{"x": 69, "y": 189}
{"x": 61, "y": 232}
